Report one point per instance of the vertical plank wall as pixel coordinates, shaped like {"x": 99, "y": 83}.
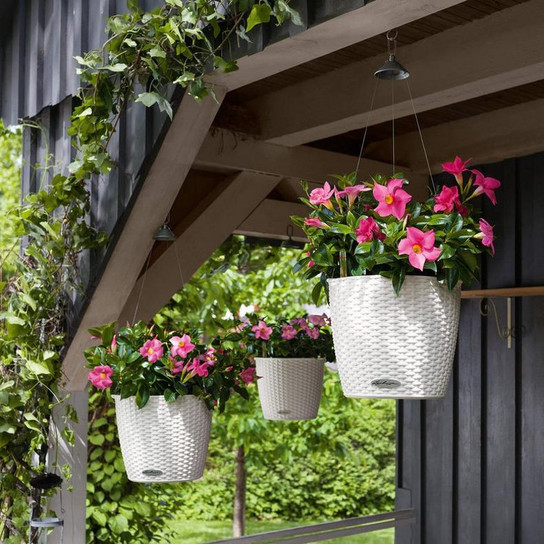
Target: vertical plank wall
{"x": 472, "y": 464}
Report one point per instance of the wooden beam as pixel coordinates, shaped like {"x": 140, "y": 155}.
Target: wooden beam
{"x": 226, "y": 150}
{"x": 213, "y": 223}
{"x": 271, "y": 219}
{"x": 497, "y": 52}
{"x": 152, "y": 204}
{"x": 489, "y": 137}
{"x": 536, "y": 291}
{"x": 338, "y": 32}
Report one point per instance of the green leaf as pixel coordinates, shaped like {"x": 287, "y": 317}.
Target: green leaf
{"x": 149, "y": 99}
{"x": 99, "y": 517}
{"x": 38, "y": 369}
{"x": 169, "y": 395}
{"x": 316, "y": 292}
{"x": 398, "y": 278}
{"x": 260, "y": 13}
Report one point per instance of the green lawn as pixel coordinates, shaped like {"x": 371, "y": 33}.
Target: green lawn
{"x": 197, "y": 532}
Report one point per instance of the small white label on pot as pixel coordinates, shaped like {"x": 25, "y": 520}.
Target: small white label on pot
{"x": 385, "y": 383}
{"x": 152, "y": 472}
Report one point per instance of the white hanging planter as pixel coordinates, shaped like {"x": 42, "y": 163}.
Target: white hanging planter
{"x": 390, "y": 346}
{"x": 163, "y": 442}
{"x": 289, "y": 388}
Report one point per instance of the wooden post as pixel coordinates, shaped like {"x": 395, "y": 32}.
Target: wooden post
{"x": 72, "y": 502}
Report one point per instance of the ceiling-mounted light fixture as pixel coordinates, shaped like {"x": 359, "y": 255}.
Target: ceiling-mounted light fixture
{"x": 164, "y": 234}
{"x": 392, "y": 69}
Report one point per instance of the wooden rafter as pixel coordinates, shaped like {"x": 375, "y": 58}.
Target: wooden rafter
{"x": 130, "y": 250}
{"x": 497, "y": 52}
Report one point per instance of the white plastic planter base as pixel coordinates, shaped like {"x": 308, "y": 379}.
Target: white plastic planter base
{"x": 163, "y": 442}
{"x": 289, "y": 388}
{"x": 390, "y": 346}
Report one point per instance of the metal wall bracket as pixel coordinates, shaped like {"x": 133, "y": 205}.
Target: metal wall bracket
{"x": 506, "y": 333}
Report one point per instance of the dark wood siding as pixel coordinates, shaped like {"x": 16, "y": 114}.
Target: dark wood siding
{"x": 472, "y": 463}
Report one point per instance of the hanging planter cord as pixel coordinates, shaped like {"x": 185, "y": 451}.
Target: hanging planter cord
{"x": 393, "y": 71}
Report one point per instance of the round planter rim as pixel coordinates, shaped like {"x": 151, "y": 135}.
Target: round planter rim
{"x": 378, "y": 277}
{"x": 292, "y": 359}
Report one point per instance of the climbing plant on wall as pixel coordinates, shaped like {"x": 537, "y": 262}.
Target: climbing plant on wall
{"x": 176, "y": 44}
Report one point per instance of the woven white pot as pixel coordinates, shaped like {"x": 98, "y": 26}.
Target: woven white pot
{"x": 163, "y": 442}
{"x": 391, "y": 346}
{"x": 289, "y": 388}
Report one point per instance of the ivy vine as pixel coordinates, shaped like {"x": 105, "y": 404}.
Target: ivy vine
{"x": 176, "y": 44}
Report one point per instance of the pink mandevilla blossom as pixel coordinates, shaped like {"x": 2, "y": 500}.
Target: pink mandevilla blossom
{"x": 322, "y": 195}
{"x": 199, "y": 368}
{"x": 262, "y": 330}
{"x": 367, "y": 230}
{"x": 181, "y": 346}
{"x": 447, "y": 199}
{"x": 209, "y": 356}
{"x": 313, "y": 332}
{"x": 248, "y": 375}
{"x": 100, "y": 376}
{"x": 300, "y": 322}
{"x": 419, "y": 246}
{"x": 488, "y": 236}
{"x": 456, "y": 168}
{"x": 391, "y": 198}
{"x": 485, "y": 185}
{"x": 318, "y": 320}
{"x": 152, "y": 349}
{"x": 288, "y": 332}
{"x": 310, "y": 262}
{"x": 315, "y": 222}
{"x": 351, "y": 191}
{"x": 178, "y": 365}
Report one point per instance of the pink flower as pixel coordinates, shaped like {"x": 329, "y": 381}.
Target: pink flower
{"x": 391, "y": 199}
{"x": 181, "y": 346}
{"x": 457, "y": 167}
{"x": 199, "y": 368}
{"x": 242, "y": 325}
{"x": 315, "y": 222}
{"x": 367, "y": 229}
{"x": 448, "y": 197}
{"x": 322, "y": 195}
{"x": 317, "y": 320}
{"x": 301, "y": 322}
{"x": 351, "y": 191}
{"x": 209, "y": 356}
{"x": 248, "y": 375}
{"x": 152, "y": 349}
{"x": 228, "y": 369}
{"x": 486, "y": 185}
{"x": 178, "y": 366}
{"x": 100, "y": 376}
{"x": 488, "y": 237}
{"x": 114, "y": 342}
{"x": 262, "y": 330}
{"x": 288, "y": 332}
{"x": 419, "y": 246}
{"x": 313, "y": 332}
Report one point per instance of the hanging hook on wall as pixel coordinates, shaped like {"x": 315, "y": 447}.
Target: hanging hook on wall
{"x": 506, "y": 333}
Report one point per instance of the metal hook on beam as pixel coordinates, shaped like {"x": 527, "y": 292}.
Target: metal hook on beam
{"x": 506, "y": 333}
